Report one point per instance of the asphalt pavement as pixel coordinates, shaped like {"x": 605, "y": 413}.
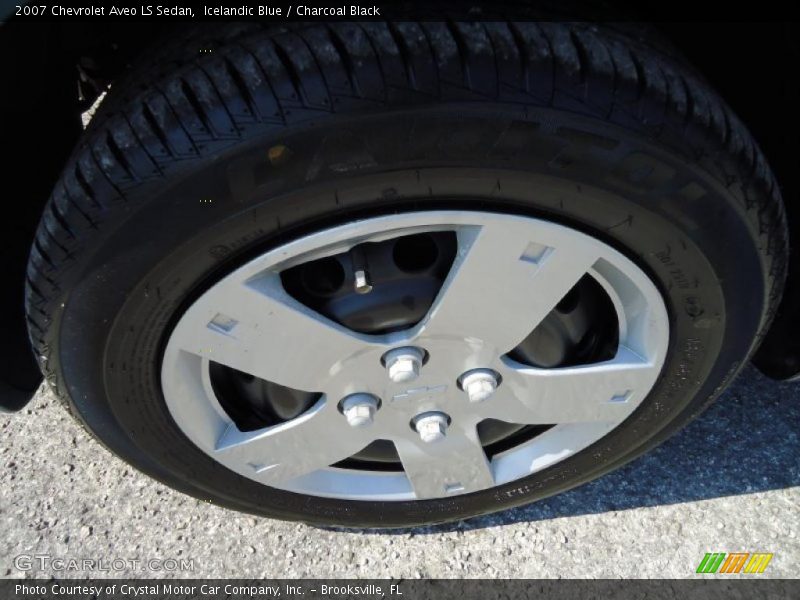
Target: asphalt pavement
{"x": 730, "y": 482}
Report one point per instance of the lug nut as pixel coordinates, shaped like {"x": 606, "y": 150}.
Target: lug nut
{"x": 403, "y": 364}
{"x": 432, "y": 427}
{"x": 479, "y": 384}
{"x": 359, "y": 409}
{"x": 362, "y": 283}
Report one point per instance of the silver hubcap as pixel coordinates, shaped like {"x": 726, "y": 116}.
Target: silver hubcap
{"x": 426, "y": 388}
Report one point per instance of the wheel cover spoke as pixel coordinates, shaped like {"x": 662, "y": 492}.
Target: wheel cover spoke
{"x": 260, "y": 330}
{"x": 455, "y": 465}
{"x": 277, "y": 454}
{"x": 534, "y": 277}
{"x": 602, "y": 392}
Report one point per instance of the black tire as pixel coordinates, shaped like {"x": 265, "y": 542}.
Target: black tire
{"x": 577, "y": 124}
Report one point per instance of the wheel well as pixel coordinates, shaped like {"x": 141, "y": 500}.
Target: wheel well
{"x": 53, "y": 76}
{"x": 748, "y": 63}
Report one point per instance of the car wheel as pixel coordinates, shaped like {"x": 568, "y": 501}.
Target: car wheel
{"x": 393, "y": 274}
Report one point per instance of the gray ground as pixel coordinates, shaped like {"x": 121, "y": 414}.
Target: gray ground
{"x": 730, "y": 482}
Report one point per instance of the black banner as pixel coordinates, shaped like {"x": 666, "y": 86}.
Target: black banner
{"x": 343, "y": 10}
{"x": 310, "y": 589}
